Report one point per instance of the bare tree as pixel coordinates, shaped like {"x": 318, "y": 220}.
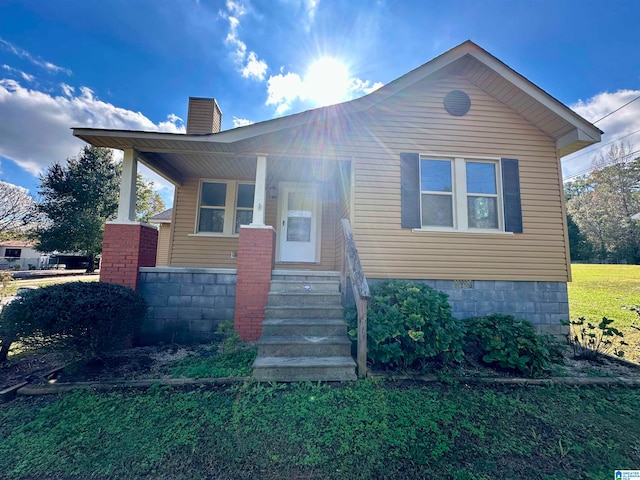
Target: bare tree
{"x": 603, "y": 207}
{"x": 16, "y": 208}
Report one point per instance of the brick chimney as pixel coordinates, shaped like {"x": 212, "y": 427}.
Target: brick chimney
{"x": 204, "y": 116}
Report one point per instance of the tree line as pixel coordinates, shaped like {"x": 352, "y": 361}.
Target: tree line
{"x": 600, "y": 206}
{"x": 74, "y": 201}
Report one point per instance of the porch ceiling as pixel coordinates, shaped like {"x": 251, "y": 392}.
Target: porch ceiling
{"x": 177, "y": 156}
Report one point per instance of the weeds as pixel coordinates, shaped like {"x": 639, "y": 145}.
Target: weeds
{"x": 590, "y": 340}
{"x": 229, "y": 358}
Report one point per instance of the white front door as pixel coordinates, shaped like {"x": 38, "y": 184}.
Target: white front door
{"x": 299, "y": 219}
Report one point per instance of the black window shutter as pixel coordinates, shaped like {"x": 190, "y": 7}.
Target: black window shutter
{"x": 511, "y": 193}
{"x": 410, "y": 190}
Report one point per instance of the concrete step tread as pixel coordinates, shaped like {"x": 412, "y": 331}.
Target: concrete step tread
{"x": 300, "y": 282}
{"x": 307, "y": 293}
{"x": 304, "y": 339}
{"x": 304, "y": 321}
{"x": 305, "y": 307}
{"x": 309, "y": 273}
{"x": 306, "y": 362}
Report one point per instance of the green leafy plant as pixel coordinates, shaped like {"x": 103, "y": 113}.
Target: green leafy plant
{"x": 88, "y": 317}
{"x": 219, "y": 365}
{"x": 408, "y": 325}
{"x": 509, "y": 343}
{"x": 590, "y": 340}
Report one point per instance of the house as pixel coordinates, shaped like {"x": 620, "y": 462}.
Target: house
{"x": 449, "y": 175}
{"x": 163, "y": 220}
{"x": 20, "y": 255}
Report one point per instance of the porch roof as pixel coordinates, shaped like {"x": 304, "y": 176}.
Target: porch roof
{"x": 176, "y": 155}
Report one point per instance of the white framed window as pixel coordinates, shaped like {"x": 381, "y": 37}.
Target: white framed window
{"x": 460, "y": 194}
{"x": 224, "y": 205}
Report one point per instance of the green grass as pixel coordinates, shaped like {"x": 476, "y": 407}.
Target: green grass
{"x": 236, "y": 363}
{"x": 357, "y": 431}
{"x": 13, "y": 286}
{"x": 603, "y": 291}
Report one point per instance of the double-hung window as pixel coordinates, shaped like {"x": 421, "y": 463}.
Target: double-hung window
{"x": 466, "y": 194}
{"x": 223, "y": 206}
{"x": 460, "y": 194}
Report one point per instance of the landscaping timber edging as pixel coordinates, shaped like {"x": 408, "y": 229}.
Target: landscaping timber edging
{"x": 625, "y": 381}
{"x": 9, "y": 393}
{"x": 24, "y": 389}
{"x": 54, "y": 388}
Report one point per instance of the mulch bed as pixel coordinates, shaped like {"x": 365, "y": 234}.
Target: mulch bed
{"x": 130, "y": 364}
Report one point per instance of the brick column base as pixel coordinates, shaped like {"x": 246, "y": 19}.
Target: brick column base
{"x": 256, "y": 254}
{"x": 125, "y": 248}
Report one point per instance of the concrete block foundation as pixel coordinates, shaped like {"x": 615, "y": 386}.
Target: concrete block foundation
{"x": 186, "y": 305}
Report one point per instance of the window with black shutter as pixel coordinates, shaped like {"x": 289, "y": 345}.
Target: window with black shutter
{"x": 460, "y": 194}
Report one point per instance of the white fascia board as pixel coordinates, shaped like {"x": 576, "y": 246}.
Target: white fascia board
{"x": 575, "y": 135}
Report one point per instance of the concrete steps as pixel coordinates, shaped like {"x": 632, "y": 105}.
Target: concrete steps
{"x": 301, "y": 369}
{"x": 304, "y": 335}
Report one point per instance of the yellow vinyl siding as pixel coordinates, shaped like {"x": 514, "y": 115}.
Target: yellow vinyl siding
{"x": 162, "y": 253}
{"x": 189, "y": 250}
{"x": 416, "y": 121}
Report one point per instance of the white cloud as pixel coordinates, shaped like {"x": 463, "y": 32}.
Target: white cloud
{"x": 33, "y": 59}
{"x": 305, "y": 11}
{"x": 241, "y": 122}
{"x": 35, "y": 126}
{"x": 311, "y": 6}
{"x": 236, "y": 8}
{"x": 249, "y": 65}
{"x": 365, "y": 87}
{"x": 621, "y": 126}
{"x": 67, "y": 89}
{"x": 283, "y": 90}
{"x": 254, "y": 67}
{"x": 15, "y": 71}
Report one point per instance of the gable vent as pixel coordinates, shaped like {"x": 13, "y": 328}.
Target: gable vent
{"x": 457, "y": 103}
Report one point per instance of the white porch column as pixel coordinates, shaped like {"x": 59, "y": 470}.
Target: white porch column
{"x": 127, "y": 202}
{"x": 259, "y": 197}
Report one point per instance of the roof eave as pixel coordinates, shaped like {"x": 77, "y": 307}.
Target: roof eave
{"x": 573, "y": 141}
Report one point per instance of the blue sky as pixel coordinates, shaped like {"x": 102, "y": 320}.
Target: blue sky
{"x": 132, "y": 64}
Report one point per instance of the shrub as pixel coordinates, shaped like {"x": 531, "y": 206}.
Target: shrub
{"x": 509, "y": 343}
{"x": 89, "y": 317}
{"x": 409, "y": 324}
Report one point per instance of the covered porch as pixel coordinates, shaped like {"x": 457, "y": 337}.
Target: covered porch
{"x": 237, "y": 217}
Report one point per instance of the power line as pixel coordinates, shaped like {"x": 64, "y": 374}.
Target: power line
{"x": 601, "y": 146}
{"x": 590, "y": 169}
{"x": 620, "y": 108}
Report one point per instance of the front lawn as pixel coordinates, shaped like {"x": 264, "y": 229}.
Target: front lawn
{"x": 369, "y": 429}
